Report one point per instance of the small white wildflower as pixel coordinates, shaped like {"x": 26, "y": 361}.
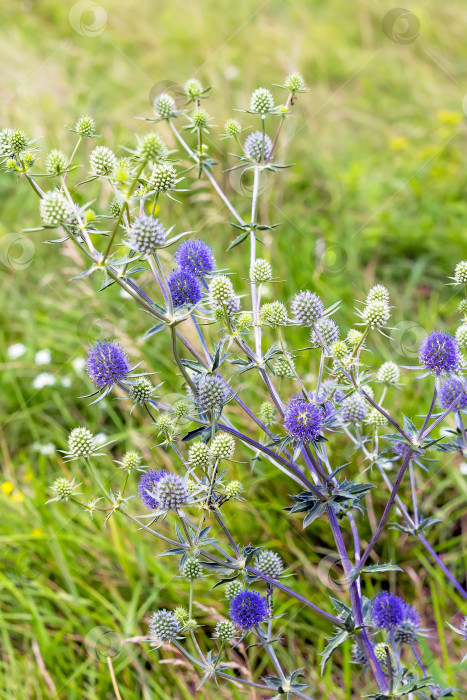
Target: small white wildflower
{"x": 43, "y": 357}
{"x": 16, "y": 350}
{"x": 43, "y": 379}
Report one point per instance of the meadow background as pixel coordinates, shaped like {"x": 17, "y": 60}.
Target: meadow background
{"x": 378, "y": 194}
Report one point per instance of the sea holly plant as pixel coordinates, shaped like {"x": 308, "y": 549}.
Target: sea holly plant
{"x": 292, "y": 420}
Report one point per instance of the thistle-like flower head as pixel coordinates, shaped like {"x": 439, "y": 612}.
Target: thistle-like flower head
{"x": 303, "y": 420}
{"x": 224, "y": 631}
{"x": 163, "y": 626}
{"x": 248, "y": 609}
{"x": 257, "y": 146}
{"x": 196, "y": 257}
{"x": 55, "y": 208}
{"x": 103, "y": 161}
{"x": 307, "y": 307}
{"x": 184, "y": 287}
{"x": 387, "y": 610}
{"x": 163, "y": 178}
{"x": 262, "y": 101}
{"x": 326, "y": 333}
{"x": 171, "y": 491}
{"x": 85, "y": 126}
{"x": 146, "y": 234}
{"x": 451, "y": 390}
{"x": 354, "y": 408}
{"x": 164, "y": 106}
{"x": 223, "y": 446}
{"x": 107, "y": 363}
{"x": 460, "y": 273}
{"x": 439, "y": 352}
{"x": 213, "y": 392}
{"x": 146, "y": 488}
{"x": 269, "y": 563}
{"x": 388, "y": 373}
{"x": 56, "y": 162}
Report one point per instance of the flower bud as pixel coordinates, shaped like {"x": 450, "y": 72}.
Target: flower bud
{"x": 225, "y": 631}
{"x": 233, "y": 588}
{"x": 141, "y": 391}
{"x": 294, "y": 82}
{"x": 262, "y": 101}
{"x": 269, "y": 563}
{"x": 63, "y": 488}
{"x": 460, "y": 273}
{"x": 131, "y": 461}
{"x": 192, "y": 569}
{"x": 233, "y": 489}
{"x": 193, "y": 88}
{"x": 81, "y": 442}
{"x": 151, "y": 147}
{"x": 103, "y": 161}
{"x": 56, "y": 162}
{"x": 232, "y": 127}
{"x": 461, "y": 335}
{"x": 85, "y": 126}
{"x": 376, "y": 314}
{"x": 55, "y": 208}
{"x": 164, "y": 106}
{"x": 221, "y": 289}
{"x": 223, "y": 446}
{"x": 163, "y": 178}
{"x": 199, "y": 455}
{"x": 260, "y": 271}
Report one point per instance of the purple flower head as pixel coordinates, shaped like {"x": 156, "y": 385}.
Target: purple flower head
{"x": 354, "y": 408}
{"x": 213, "y": 391}
{"x": 451, "y": 390}
{"x": 439, "y": 352}
{"x": 148, "y": 482}
{"x": 411, "y": 615}
{"x": 184, "y": 288}
{"x": 328, "y": 332}
{"x": 400, "y": 449}
{"x": 303, "y": 420}
{"x": 388, "y": 610}
{"x": 196, "y": 257}
{"x": 307, "y": 307}
{"x": 107, "y": 363}
{"x": 248, "y": 609}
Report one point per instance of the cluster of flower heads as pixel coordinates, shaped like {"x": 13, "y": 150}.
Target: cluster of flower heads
{"x": 392, "y": 614}
{"x": 162, "y": 490}
{"x": 305, "y": 416}
{"x": 195, "y": 261}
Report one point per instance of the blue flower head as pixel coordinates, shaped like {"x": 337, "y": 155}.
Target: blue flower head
{"x": 388, "y": 611}
{"x": 196, "y": 257}
{"x": 452, "y": 390}
{"x": 411, "y": 615}
{"x": 303, "y": 420}
{"x": 107, "y": 363}
{"x": 248, "y": 609}
{"x": 148, "y": 482}
{"x": 184, "y": 288}
{"x": 439, "y": 352}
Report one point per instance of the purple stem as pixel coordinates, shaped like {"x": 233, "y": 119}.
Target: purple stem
{"x": 356, "y": 602}
{"x": 386, "y": 511}
{"x": 442, "y": 566}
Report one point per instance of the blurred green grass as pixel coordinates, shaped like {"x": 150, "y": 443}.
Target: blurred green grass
{"x": 377, "y": 194}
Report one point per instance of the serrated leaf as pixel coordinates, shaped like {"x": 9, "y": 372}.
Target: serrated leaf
{"x": 335, "y": 641}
